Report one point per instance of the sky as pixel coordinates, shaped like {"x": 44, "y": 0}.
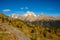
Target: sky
{"x": 48, "y": 7}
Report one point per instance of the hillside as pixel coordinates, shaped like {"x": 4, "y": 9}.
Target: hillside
{"x": 37, "y": 30}
{"x": 6, "y": 35}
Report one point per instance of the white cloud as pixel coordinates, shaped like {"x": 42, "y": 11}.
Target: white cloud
{"x": 6, "y": 10}
{"x": 24, "y": 8}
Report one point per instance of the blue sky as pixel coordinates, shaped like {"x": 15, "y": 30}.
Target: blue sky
{"x": 48, "y": 7}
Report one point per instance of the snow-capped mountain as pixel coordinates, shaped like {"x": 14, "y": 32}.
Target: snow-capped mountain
{"x": 28, "y": 13}
{"x": 29, "y": 16}
{"x": 14, "y": 15}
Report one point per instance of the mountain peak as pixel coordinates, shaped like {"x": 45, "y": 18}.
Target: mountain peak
{"x": 14, "y": 15}
{"x": 30, "y": 16}
{"x": 42, "y": 14}
{"x": 28, "y": 13}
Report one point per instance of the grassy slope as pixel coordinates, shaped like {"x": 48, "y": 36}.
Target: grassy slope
{"x": 7, "y": 36}
{"x": 35, "y": 32}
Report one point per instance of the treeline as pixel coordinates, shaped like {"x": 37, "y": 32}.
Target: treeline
{"x": 51, "y": 23}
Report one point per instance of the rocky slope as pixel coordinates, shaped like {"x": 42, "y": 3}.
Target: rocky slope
{"x": 6, "y": 35}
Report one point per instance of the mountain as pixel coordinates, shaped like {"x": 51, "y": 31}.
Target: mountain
{"x": 28, "y": 13}
{"x": 14, "y": 16}
{"x": 45, "y": 17}
{"x": 29, "y": 16}
{"x": 58, "y": 17}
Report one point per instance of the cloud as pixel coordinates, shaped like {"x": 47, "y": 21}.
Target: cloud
{"x": 23, "y": 8}
{"x": 6, "y": 10}
{"x": 26, "y": 8}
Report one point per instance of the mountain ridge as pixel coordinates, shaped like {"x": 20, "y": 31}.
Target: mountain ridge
{"x": 31, "y": 16}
